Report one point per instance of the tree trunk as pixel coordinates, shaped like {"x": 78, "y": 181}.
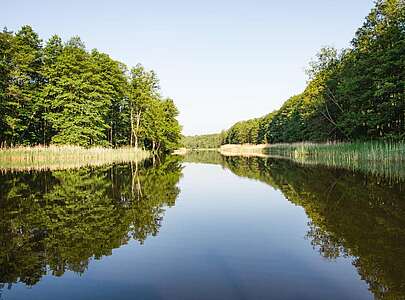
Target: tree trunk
{"x": 138, "y": 121}
{"x": 111, "y": 134}
{"x": 132, "y": 127}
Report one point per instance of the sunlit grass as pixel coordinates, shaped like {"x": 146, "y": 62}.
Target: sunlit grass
{"x": 243, "y": 150}
{"x": 65, "y": 157}
{"x": 366, "y": 151}
{"x": 379, "y": 158}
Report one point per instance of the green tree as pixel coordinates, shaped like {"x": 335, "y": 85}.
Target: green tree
{"x": 7, "y": 128}
{"x": 21, "y": 85}
{"x": 153, "y": 119}
{"x": 355, "y": 94}
{"x": 78, "y": 105}
{"x": 63, "y": 94}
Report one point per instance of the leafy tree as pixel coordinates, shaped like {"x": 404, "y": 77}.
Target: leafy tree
{"x": 114, "y": 85}
{"x": 152, "y": 118}
{"x": 63, "y": 94}
{"x": 21, "y": 85}
{"x": 6, "y": 105}
{"x": 205, "y": 141}
{"x": 78, "y": 104}
{"x": 144, "y": 90}
{"x": 354, "y": 94}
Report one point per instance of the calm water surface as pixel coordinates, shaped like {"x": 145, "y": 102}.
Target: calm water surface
{"x": 205, "y": 227}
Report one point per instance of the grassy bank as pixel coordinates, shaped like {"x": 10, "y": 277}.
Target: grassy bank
{"x": 379, "y": 158}
{"x": 350, "y": 152}
{"x": 65, "y": 157}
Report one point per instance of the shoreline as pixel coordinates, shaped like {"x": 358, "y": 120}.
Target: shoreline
{"x": 353, "y": 151}
{"x": 378, "y": 158}
{"x": 65, "y": 157}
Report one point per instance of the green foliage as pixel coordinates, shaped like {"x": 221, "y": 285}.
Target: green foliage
{"x": 21, "y": 83}
{"x": 62, "y": 94}
{"x": 206, "y": 141}
{"x": 243, "y": 132}
{"x": 357, "y": 94}
{"x": 152, "y": 118}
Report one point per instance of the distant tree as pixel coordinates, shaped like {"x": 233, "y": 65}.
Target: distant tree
{"x": 205, "y": 141}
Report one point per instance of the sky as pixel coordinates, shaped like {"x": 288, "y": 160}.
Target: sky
{"x": 221, "y": 61}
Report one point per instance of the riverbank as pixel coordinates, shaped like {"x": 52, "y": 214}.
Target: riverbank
{"x": 368, "y": 151}
{"x": 379, "y": 158}
{"x": 244, "y": 150}
{"x": 65, "y": 157}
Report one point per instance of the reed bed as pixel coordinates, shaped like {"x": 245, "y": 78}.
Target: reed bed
{"x": 350, "y": 152}
{"x": 65, "y": 157}
{"x": 378, "y": 158}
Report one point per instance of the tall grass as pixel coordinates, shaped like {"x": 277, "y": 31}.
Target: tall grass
{"x": 65, "y": 157}
{"x": 379, "y": 158}
{"x": 366, "y": 151}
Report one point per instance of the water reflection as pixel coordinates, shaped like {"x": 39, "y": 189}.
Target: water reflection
{"x": 53, "y": 222}
{"x": 58, "y": 221}
{"x": 350, "y": 214}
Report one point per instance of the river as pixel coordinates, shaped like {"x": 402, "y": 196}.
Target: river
{"x": 202, "y": 227}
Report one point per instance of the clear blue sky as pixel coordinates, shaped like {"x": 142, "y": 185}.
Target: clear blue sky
{"x": 221, "y": 61}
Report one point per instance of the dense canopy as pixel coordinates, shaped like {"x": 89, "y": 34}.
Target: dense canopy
{"x": 60, "y": 93}
{"x": 354, "y": 94}
{"x": 205, "y": 141}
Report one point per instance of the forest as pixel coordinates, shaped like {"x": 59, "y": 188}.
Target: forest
{"x": 59, "y": 93}
{"x": 355, "y": 94}
{"x": 204, "y": 141}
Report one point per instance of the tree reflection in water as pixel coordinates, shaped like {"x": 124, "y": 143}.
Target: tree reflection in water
{"x": 58, "y": 221}
{"x": 351, "y": 214}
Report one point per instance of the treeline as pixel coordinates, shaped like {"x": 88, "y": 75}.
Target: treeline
{"x": 205, "y": 141}
{"x": 59, "y": 93}
{"x": 355, "y": 94}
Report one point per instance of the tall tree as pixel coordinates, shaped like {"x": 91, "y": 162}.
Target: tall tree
{"x": 144, "y": 92}
{"x": 78, "y": 98}
{"x": 22, "y": 85}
